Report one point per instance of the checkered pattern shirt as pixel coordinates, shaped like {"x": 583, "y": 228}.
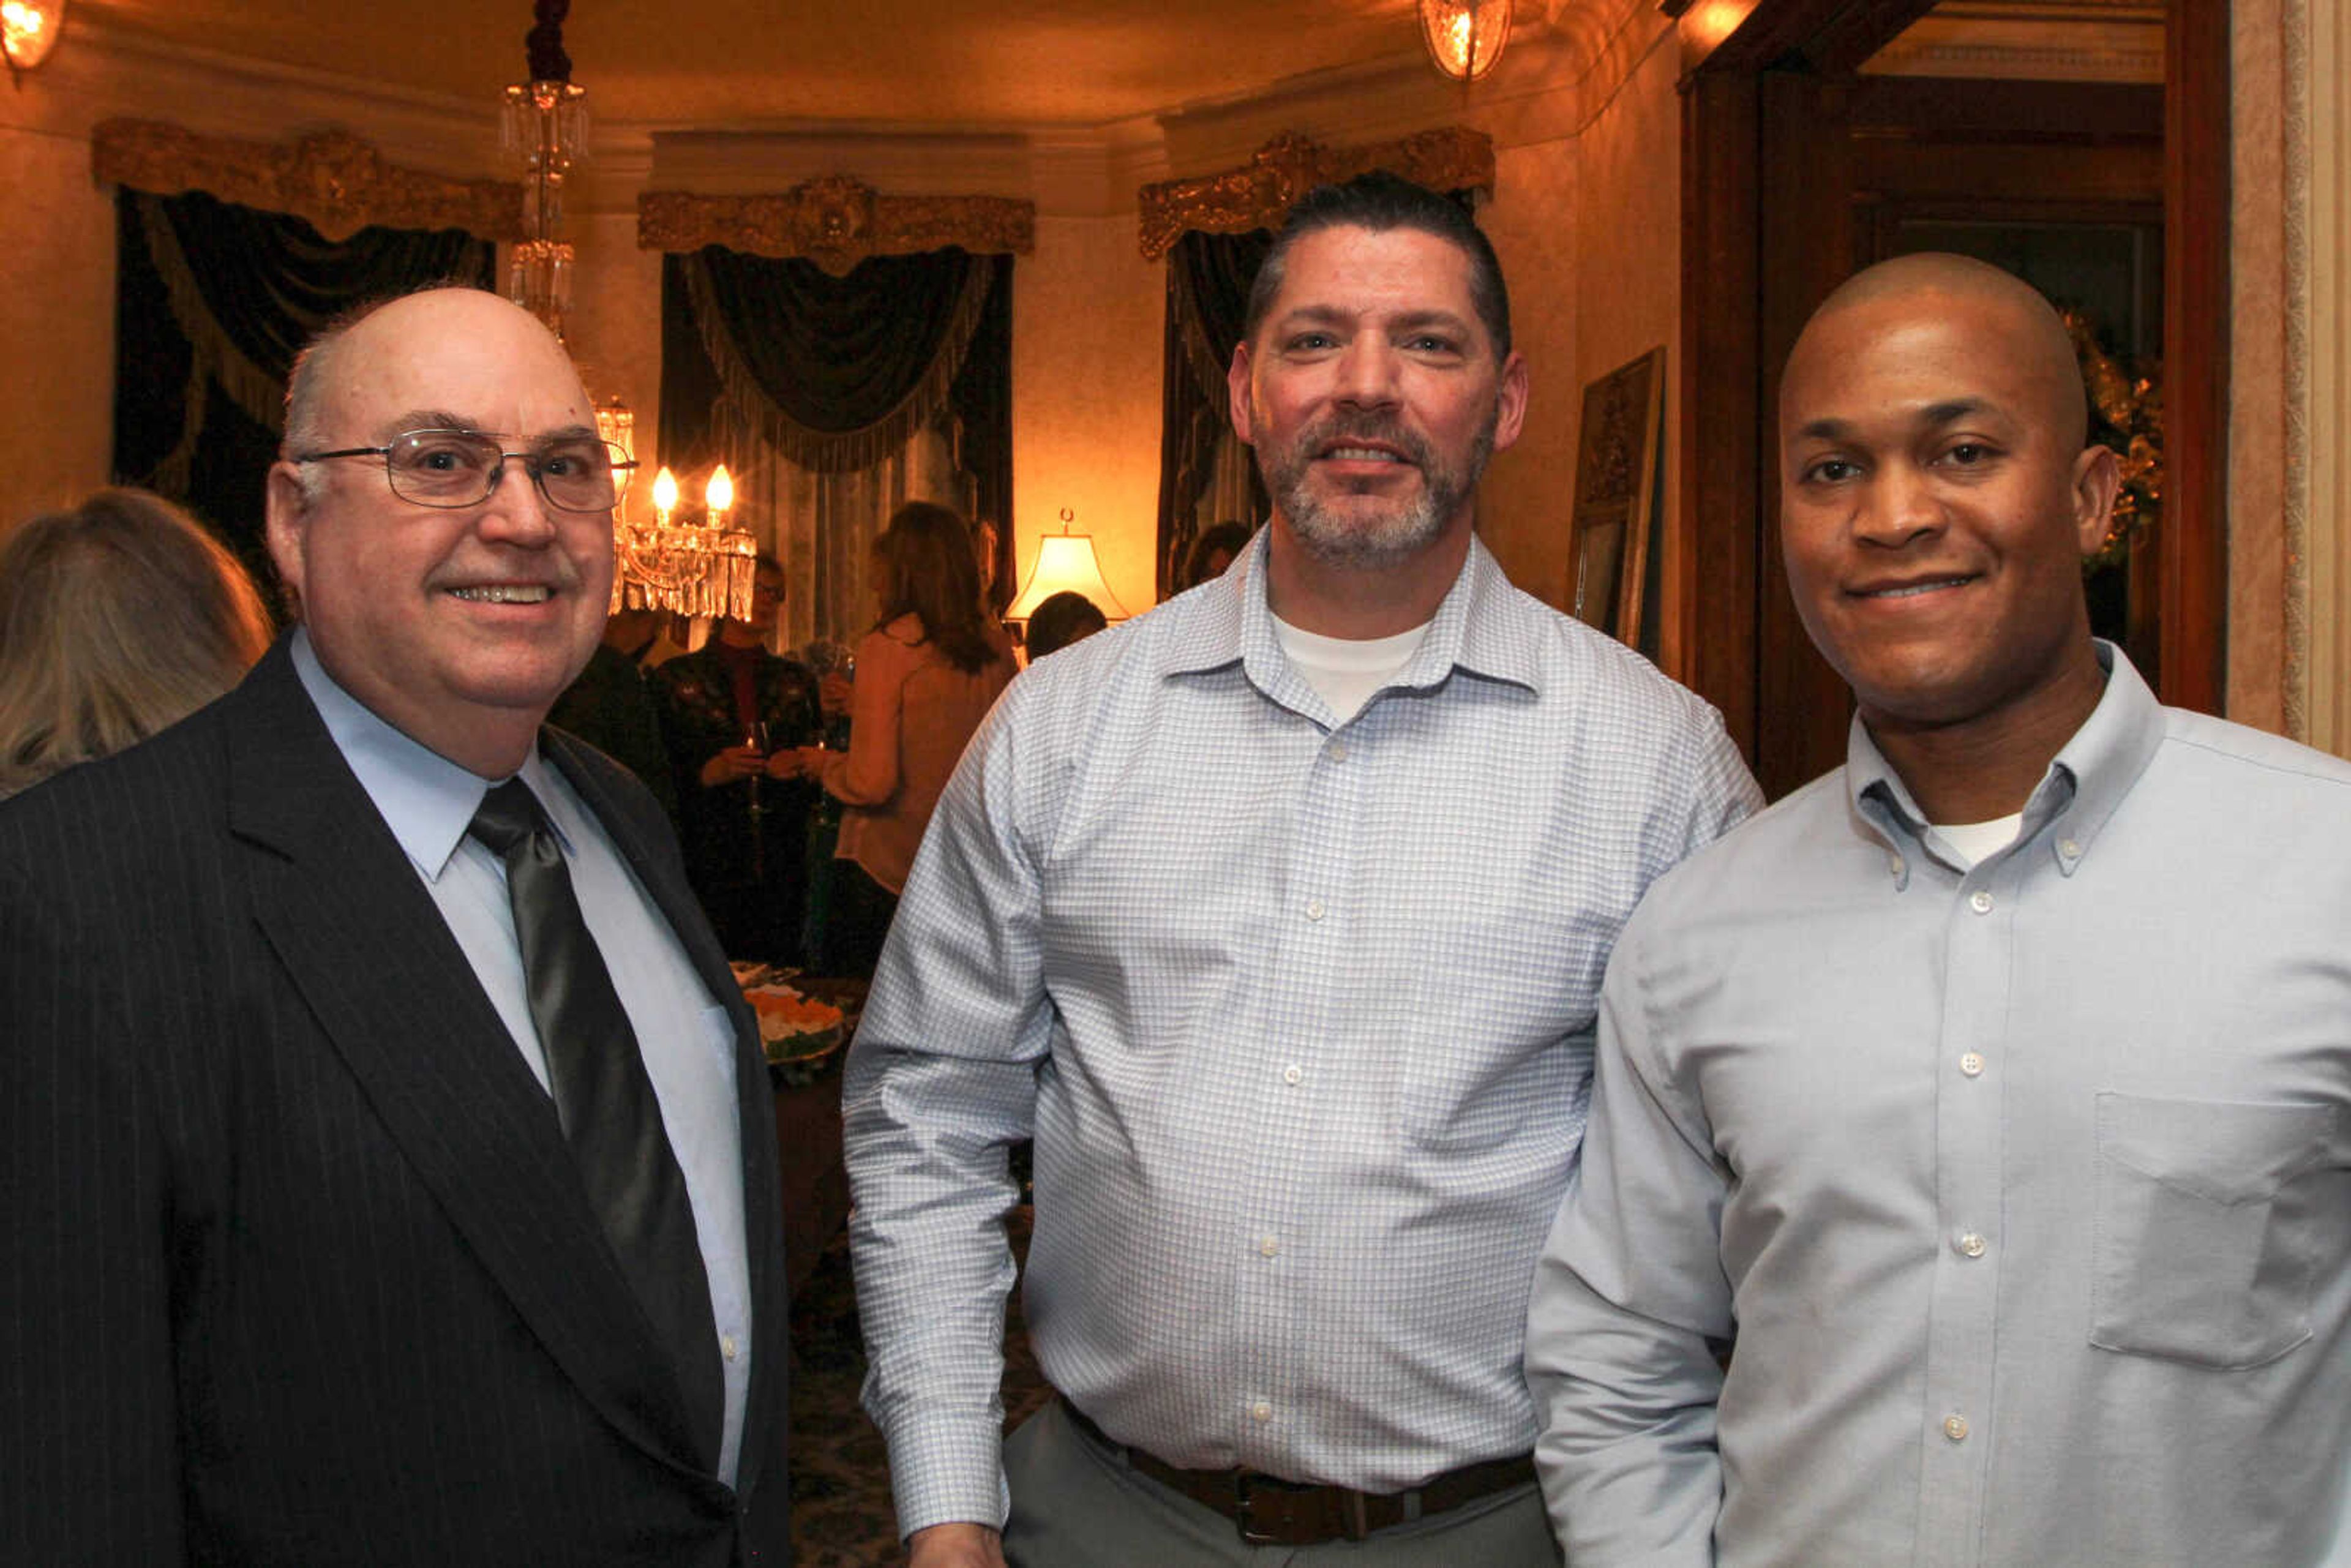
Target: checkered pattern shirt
{"x": 1301, "y": 1018}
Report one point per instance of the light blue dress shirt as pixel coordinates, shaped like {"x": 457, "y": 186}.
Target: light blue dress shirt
{"x": 2024, "y": 1186}
{"x": 686, "y": 1037}
{"x": 1300, "y": 1014}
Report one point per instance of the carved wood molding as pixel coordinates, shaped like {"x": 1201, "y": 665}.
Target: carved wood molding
{"x": 1257, "y": 194}
{"x": 337, "y": 182}
{"x": 835, "y": 221}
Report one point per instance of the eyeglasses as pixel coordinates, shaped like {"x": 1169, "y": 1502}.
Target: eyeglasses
{"x": 463, "y": 467}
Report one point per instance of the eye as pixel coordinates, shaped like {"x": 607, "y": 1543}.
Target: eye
{"x": 1970, "y": 454}
{"x": 1307, "y": 342}
{"x": 1431, "y": 343}
{"x": 439, "y": 452}
{"x": 1829, "y": 471}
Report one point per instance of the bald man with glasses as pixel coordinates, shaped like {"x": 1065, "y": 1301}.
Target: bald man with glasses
{"x": 388, "y": 1157}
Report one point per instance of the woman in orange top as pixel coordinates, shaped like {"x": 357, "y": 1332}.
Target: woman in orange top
{"x": 926, "y": 676}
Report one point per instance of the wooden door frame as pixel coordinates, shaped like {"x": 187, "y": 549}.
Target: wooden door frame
{"x": 1725, "y": 464}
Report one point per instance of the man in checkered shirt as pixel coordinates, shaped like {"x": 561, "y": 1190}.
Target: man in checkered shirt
{"x": 1278, "y": 917}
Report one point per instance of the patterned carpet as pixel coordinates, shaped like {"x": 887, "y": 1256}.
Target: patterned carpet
{"x": 841, "y": 1475}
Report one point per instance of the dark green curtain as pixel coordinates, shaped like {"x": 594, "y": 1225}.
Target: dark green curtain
{"x": 213, "y": 301}
{"x": 837, "y": 374}
{"x": 1208, "y": 279}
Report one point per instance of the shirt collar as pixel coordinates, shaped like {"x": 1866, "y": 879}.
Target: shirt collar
{"x": 2085, "y": 781}
{"x": 1483, "y": 626}
{"x": 427, "y": 800}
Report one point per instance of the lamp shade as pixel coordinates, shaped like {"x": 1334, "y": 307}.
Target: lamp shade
{"x": 1066, "y": 563}
{"x": 1465, "y": 38}
{"x": 28, "y": 30}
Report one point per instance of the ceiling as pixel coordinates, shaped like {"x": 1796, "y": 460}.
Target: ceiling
{"x": 750, "y": 63}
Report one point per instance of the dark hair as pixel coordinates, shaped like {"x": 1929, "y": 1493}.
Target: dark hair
{"x": 1380, "y": 201}
{"x": 117, "y": 619}
{"x": 928, "y": 571}
{"x": 1061, "y": 620}
{"x": 1230, "y": 538}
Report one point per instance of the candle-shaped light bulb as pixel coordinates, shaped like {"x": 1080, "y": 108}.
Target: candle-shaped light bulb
{"x": 665, "y": 494}
{"x": 719, "y": 493}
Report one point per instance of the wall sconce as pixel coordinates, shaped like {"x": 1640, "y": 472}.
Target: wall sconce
{"x": 1066, "y": 563}
{"x": 28, "y": 30}
{"x": 1465, "y": 38}
{"x": 718, "y": 496}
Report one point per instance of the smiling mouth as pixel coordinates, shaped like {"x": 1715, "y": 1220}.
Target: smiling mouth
{"x": 1912, "y": 589}
{"x": 1362, "y": 454}
{"x": 506, "y": 594}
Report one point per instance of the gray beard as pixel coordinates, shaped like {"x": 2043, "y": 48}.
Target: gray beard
{"x": 1383, "y": 541}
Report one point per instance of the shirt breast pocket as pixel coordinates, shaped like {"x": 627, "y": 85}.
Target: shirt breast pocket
{"x": 2202, "y": 1252}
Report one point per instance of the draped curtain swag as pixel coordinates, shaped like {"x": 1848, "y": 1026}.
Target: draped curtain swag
{"x": 213, "y": 302}
{"x": 1208, "y": 277}
{"x": 833, "y": 399}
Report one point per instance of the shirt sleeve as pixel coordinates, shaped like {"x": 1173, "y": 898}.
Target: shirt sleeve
{"x": 1629, "y": 1302}
{"x": 940, "y": 1083}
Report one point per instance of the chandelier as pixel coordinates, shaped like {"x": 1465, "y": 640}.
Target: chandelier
{"x": 1465, "y": 38}
{"x": 543, "y": 127}
{"x": 684, "y": 569}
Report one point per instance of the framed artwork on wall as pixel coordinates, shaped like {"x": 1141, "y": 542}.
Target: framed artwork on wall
{"x": 1616, "y": 486}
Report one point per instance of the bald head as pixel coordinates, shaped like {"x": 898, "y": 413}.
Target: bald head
{"x": 1933, "y": 284}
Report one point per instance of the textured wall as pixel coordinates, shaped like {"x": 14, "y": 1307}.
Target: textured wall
{"x": 1537, "y": 222}
{"x": 1087, "y": 321}
{"x": 56, "y": 320}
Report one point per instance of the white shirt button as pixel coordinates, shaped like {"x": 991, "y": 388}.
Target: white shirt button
{"x": 1971, "y": 1064}
{"x": 1970, "y": 1245}
{"x": 2069, "y": 849}
{"x": 1261, "y": 1411}
{"x": 1893, "y": 864}
{"x": 1266, "y": 1247}
{"x": 1338, "y": 751}
{"x": 1979, "y": 901}
{"x": 1955, "y": 1427}
{"x": 1313, "y": 909}
{"x": 1293, "y": 1075}
{"x": 727, "y": 1346}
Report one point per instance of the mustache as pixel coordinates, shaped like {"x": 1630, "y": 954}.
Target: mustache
{"x": 1339, "y": 429}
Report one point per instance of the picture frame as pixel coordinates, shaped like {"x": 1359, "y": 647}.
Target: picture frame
{"x": 1610, "y": 527}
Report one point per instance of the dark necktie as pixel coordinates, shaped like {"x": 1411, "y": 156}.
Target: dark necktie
{"x": 605, "y": 1102}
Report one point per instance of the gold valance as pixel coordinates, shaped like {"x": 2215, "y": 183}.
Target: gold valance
{"x": 333, "y": 181}
{"x": 1257, "y": 194}
{"x": 835, "y": 221}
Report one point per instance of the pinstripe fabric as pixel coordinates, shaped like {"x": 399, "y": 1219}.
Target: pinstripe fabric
{"x": 295, "y": 1270}
{"x": 1302, "y": 1019}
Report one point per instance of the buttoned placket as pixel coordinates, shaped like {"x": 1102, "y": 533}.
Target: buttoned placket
{"x": 1314, "y": 922}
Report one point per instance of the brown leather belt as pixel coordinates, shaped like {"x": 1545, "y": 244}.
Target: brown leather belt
{"x": 1271, "y": 1511}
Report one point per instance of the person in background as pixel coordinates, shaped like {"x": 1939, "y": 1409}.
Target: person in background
{"x": 733, "y": 716}
{"x": 117, "y": 617}
{"x": 1278, "y": 917}
{"x": 611, "y": 705}
{"x": 1217, "y": 548}
{"x": 1063, "y": 619}
{"x": 927, "y": 675}
{"x": 1994, "y": 1090}
{"x": 388, "y": 1160}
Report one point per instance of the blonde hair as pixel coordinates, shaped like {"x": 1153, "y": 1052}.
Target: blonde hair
{"x": 117, "y": 619}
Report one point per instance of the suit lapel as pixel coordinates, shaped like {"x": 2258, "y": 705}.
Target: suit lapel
{"x": 339, "y": 904}
{"x": 765, "y": 1409}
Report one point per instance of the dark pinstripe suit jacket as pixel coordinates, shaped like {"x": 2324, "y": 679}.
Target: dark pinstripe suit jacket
{"x": 297, "y": 1267}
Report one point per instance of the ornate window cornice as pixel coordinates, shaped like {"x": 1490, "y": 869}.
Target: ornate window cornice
{"x": 835, "y": 221}
{"x": 1259, "y": 192}
{"x": 335, "y": 182}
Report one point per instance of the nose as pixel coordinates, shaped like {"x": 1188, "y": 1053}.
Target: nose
{"x": 514, "y": 510}
{"x": 1367, "y": 372}
{"x": 1900, "y": 507}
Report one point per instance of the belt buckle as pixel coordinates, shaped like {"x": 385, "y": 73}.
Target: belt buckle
{"x": 1355, "y": 1524}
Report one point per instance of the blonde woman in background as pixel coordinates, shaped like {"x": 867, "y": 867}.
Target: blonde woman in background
{"x": 117, "y": 617}
{"x": 926, "y": 676}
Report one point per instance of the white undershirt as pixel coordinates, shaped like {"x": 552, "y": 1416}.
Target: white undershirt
{"x": 1345, "y": 672}
{"x": 1973, "y": 841}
